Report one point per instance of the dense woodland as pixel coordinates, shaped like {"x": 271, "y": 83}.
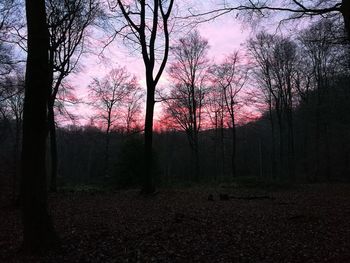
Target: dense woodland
{"x": 276, "y": 111}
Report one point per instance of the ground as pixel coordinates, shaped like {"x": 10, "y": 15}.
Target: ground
{"x": 304, "y": 224}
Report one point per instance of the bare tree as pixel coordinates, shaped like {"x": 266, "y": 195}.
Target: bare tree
{"x": 185, "y": 103}
{"x": 5, "y": 13}
{"x": 67, "y": 26}
{"x": 261, "y": 48}
{"x": 321, "y": 55}
{"x": 38, "y": 230}
{"x": 131, "y": 111}
{"x": 6, "y": 60}
{"x": 68, "y": 22}
{"x": 285, "y": 68}
{"x": 9, "y": 14}
{"x": 11, "y": 110}
{"x": 230, "y": 78}
{"x": 108, "y": 96}
{"x": 297, "y": 9}
{"x": 146, "y": 24}
{"x": 216, "y": 111}
{"x": 277, "y": 60}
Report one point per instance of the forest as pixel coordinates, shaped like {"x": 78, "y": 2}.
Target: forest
{"x": 174, "y": 131}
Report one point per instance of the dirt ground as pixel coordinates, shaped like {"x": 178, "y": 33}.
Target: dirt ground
{"x": 306, "y": 224}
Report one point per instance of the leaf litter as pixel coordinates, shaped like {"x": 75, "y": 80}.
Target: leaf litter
{"x": 308, "y": 224}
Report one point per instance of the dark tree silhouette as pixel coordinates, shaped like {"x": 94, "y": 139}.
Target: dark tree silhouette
{"x": 295, "y": 8}
{"x": 230, "y": 79}
{"x": 11, "y": 110}
{"x": 6, "y": 54}
{"x": 68, "y": 22}
{"x": 8, "y": 12}
{"x": 185, "y": 103}
{"x": 217, "y": 115}
{"x": 345, "y": 10}
{"x": 321, "y": 54}
{"x": 6, "y": 62}
{"x": 146, "y": 24}
{"x": 131, "y": 110}
{"x": 38, "y": 231}
{"x": 277, "y": 59}
{"x": 109, "y": 96}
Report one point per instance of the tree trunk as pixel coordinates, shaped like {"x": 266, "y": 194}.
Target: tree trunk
{"x": 148, "y": 180}
{"x": 38, "y": 230}
{"x": 291, "y": 150}
{"x": 318, "y": 169}
{"x": 317, "y": 144}
{"x": 106, "y": 160}
{"x": 53, "y": 146}
{"x": 16, "y": 161}
{"x": 328, "y": 154}
{"x": 281, "y": 142}
{"x": 233, "y": 157}
{"x": 196, "y": 158}
{"x": 222, "y": 146}
{"x": 51, "y": 121}
{"x": 345, "y": 10}
{"x": 273, "y": 139}
{"x": 216, "y": 142}
{"x": 306, "y": 153}
{"x": 261, "y": 169}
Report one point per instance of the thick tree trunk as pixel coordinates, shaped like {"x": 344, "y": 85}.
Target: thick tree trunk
{"x": 53, "y": 147}
{"x": 195, "y": 132}
{"x": 148, "y": 180}
{"x": 38, "y": 231}
{"x": 16, "y": 161}
{"x": 345, "y": 9}
{"x": 51, "y": 122}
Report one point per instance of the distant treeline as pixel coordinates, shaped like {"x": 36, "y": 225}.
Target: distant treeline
{"x": 319, "y": 157}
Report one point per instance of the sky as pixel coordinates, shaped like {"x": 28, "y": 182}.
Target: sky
{"x": 225, "y": 35}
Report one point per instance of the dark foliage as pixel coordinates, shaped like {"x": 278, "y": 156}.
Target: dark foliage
{"x": 129, "y": 166}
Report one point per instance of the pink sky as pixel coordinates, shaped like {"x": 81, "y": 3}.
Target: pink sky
{"x": 224, "y": 35}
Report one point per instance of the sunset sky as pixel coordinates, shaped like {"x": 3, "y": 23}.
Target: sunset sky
{"x": 225, "y": 35}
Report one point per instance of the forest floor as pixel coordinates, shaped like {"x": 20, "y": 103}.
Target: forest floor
{"x": 309, "y": 223}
